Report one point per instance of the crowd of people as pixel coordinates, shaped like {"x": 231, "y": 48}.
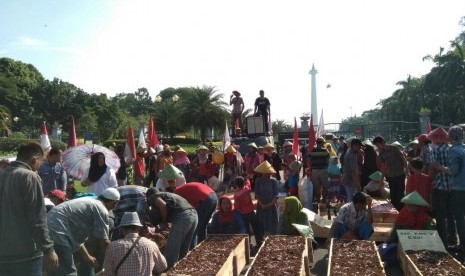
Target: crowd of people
{"x": 46, "y": 225}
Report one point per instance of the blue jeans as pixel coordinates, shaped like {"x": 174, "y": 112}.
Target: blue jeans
{"x": 204, "y": 212}
{"x": 32, "y": 267}
{"x": 364, "y": 230}
{"x": 180, "y": 237}
{"x": 444, "y": 220}
{"x": 65, "y": 261}
{"x": 457, "y": 198}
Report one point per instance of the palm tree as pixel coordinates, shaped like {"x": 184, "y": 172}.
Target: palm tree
{"x": 203, "y": 109}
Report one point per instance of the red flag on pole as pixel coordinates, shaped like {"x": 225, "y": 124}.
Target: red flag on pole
{"x": 152, "y": 137}
{"x": 311, "y": 136}
{"x": 44, "y": 141}
{"x": 72, "y": 133}
{"x": 295, "y": 140}
{"x": 130, "y": 148}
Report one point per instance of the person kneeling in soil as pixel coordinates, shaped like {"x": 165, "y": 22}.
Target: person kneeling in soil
{"x": 171, "y": 208}
{"x": 293, "y": 214}
{"x": 145, "y": 256}
{"x": 354, "y": 220}
{"x": 412, "y": 216}
{"x": 227, "y": 220}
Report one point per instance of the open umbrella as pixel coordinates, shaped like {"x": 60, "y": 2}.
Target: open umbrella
{"x": 76, "y": 160}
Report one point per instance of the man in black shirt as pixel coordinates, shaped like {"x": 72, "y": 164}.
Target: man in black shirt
{"x": 262, "y": 108}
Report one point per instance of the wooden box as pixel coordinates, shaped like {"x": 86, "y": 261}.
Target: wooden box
{"x": 365, "y": 269}
{"x": 306, "y": 257}
{"x": 238, "y": 258}
{"x": 421, "y": 240}
{"x": 382, "y": 216}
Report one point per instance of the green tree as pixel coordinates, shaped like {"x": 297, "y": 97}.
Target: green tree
{"x": 203, "y": 110}
{"x": 5, "y": 119}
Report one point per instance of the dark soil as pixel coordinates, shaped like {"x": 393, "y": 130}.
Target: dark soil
{"x": 208, "y": 257}
{"x": 279, "y": 255}
{"x": 435, "y": 263}
{"x": 355, "y": 258}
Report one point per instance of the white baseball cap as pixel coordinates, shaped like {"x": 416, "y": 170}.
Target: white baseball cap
{"x": 111, "y": 194}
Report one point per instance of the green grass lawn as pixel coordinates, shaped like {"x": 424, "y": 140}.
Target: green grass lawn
{"x": 78, "y": 187}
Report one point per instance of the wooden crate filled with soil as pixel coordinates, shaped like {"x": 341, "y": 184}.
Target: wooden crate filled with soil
{"x": 218, "y": 255}
{"x": 282, "y": 255}
{"x": 430, "y": 263}
{"x": 421, "y": 252}
{"x": 354, "y": 257}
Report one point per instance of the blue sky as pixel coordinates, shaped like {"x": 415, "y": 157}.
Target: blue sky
{"x": 361, "y": 47}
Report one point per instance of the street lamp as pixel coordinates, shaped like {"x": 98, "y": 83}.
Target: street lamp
{"x": 159, "y": 99}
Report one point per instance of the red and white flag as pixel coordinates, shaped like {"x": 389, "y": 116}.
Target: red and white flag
{"x": 130, "y": 147}
{"x": 311, "y": 136}
{"x": 321, "y": 126}
{"x": 152, "y": 137}
{"x": 295, "y": 140}
{"x": 44, "y": 141}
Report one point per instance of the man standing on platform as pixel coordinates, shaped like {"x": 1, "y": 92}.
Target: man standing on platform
{"x": 238, "y": 106}
{"x": 262, "y": 108}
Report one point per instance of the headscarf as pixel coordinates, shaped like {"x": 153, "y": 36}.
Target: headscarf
{"x": 225, "y": 217}
{"x": 415, "y": 221}
{"x": 96, "y": 171}
{"x": 456, "y": 135}
{"x": 330, "y": 149}
{"x": 293, "y": 211}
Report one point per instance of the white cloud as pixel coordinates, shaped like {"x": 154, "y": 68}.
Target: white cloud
{"x": 29, "y": 41}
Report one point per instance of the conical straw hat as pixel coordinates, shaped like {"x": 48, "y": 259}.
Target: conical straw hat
{"x": 414, "y": 198}
{"x": 170, "y": 172}
{"x": 231, "y": 149}
{"x": 268, "y": 146}
{"x": 264, "y": 167}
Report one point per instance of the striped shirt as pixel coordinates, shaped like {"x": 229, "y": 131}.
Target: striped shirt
{"x": 144, "y": 258}
{"x": 440, "y": 155}
{"x": 319, "y": 157}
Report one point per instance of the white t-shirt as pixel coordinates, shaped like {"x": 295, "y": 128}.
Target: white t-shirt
{"x": 107, "y": 180}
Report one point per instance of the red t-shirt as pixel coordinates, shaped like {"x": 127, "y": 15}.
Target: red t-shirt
{"x": 421, "y": 183}
{"x": 194, "y": 192}
{"x": 243, "y": 200}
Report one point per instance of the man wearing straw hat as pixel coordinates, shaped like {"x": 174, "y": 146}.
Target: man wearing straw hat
{"x": 133, "y": 255}
{"x": 170, "y": 178}
{"x": 238, "y": 106}
{"x": 273, "y": 158}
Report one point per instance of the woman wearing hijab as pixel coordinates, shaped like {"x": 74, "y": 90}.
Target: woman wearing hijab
{"x": 99, "y": 177}
{"x": 227, "y": 220}
{"x": 293, "y": 213}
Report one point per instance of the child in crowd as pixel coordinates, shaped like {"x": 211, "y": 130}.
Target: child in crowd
{"x": 243, "y": 203}
{"x": 419, "y": 181}
{"x": 377, "y": 187}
